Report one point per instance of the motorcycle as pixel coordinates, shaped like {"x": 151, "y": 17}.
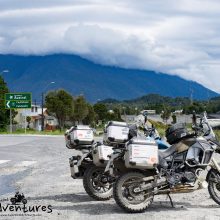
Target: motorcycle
{"x": 18, "y": 198}
{"x": 97, "y": 183}
{"x": 179, "y": 169}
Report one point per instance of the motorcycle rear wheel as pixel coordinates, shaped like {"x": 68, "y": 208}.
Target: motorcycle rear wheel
{"x": 213, "y": 179}
{"x": 96, "y": 184}
{"x": 127, "y": 197}
{"x": 13, "y": 201}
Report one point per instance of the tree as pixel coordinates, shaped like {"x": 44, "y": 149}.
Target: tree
{"x": 90, "y": 119}
{"x": 80, "y": 109}
{"x": 174, "y": 119}
{"x": 117, "y": 114}
{"x": 61, "y": 104}
{"x": 101, "y": 111}
{"x": 166, "y": 113}
{"x": 4, "y": 114}
{"x": 28, "y": 119}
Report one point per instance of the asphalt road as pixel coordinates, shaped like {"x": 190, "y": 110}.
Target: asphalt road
{"x": 38, "y": 167}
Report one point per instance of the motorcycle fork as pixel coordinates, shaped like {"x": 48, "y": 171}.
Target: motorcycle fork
{"x": 109, "y": 168}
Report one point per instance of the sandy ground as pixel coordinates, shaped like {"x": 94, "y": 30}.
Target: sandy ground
{"x": 38, "y": 167}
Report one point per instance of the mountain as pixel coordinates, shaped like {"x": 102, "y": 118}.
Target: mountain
{"x": 95, "y": 81}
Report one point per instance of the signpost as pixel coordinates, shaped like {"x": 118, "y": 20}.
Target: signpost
{"x": 17, "y": 101}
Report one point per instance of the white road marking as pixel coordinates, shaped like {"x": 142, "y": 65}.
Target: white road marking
{"x": 12, "y": 167}
{"x": 26, "y": 163}
{"x": 4, "y": 161}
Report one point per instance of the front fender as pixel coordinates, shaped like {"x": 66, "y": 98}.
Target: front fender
{"x": 213, "y": 172}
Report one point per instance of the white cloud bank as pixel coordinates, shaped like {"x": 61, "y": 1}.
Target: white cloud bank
{"x": 176, "y": 37}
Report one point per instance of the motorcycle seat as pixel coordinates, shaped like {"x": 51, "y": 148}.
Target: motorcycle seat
{"x": 169, "y": 151}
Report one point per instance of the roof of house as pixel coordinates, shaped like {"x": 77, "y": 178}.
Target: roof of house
{"x": 214, "y": 116}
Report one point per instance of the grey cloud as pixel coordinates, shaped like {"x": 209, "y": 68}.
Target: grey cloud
{"x": 176, "y": 37}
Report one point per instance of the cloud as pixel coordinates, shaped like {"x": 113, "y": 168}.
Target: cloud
{"x": 176, "y": 37}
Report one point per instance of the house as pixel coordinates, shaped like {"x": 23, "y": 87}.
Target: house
{"x": 214, "y": 120}
{"x": 35, "y": 113}
{"x": 149, "y": 112}
{"x": 178, "y": 112}
{"x": 129, "y": 118}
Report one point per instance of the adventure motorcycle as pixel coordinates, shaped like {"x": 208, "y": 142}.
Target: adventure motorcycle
{"x": 179, "y": 169}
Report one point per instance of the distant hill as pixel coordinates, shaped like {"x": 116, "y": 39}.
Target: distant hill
{"x": 217, "y": 98}
{"x": 95, "y": 81}
{"x": 151, "y": 99}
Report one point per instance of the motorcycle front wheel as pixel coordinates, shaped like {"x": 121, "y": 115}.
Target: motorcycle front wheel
{"x": 129, "y": 195}
{"x": 213, "y": 179}
{"x": 24, "y": 201}
{"x": 97, "y": 184}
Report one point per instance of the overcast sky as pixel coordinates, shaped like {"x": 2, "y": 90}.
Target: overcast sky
{"x": 179, "y": 37}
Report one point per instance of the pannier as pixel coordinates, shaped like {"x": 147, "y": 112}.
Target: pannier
{"x": 116, "y": 133}
{"x": 101, "y": 154}
{"x": 176, "y": 132}
{"x": 74, "y": 169}
{"x": 79, "y": 136}
{"x": 141, "y": 154}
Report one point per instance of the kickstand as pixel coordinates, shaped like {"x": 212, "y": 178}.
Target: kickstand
{"x": 171, "y": 201}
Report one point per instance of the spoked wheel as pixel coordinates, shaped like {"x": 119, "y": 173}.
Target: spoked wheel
{"x": 214, "y": 185}
{"x": 129, "y": 195}
{"x": 97, "y": 184}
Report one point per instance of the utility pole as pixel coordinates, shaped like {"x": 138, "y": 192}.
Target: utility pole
{"x": 191, "y": 96}
{"x": 42, "y": 112}
{"x": 208, "y": 96}
{"x": 10, "y": 121}
{"x": 25, "y": 122}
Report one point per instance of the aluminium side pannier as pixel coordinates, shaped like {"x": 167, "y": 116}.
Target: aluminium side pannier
{"x": 79, "y": 136}
{"x": 116, "y": 133}
{"x": 141, "y": 154}
{"x": 101, "y": 154}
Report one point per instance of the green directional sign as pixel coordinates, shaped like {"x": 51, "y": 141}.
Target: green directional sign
{"x": 18, "y": 100}
{"x": 18, "y": 96}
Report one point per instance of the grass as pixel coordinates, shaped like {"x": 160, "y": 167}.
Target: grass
{"x": 161, "y": 128}
{"x": 22, "y": 131}
{"x": 56, "y": 132}
{"x": 217, "y": 132}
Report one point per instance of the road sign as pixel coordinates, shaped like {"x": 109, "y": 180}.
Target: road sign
{"x": 18, "y": 96}
{"x": 17, "y": 100}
